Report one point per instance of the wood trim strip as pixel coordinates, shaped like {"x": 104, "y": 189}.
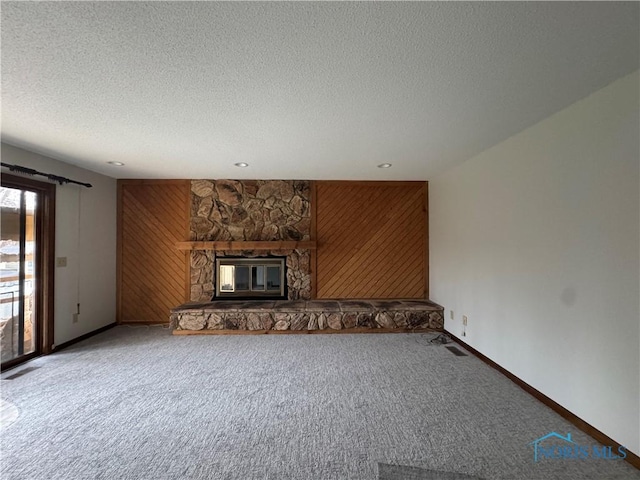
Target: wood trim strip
{"x": 48, "y": 268}
{"x": 313, "y": 237}
{"x": 187, "y": 236}
{"x": 587, "y": 428}
{"x": 426, "y": 240}
{"x": 241, "y": 245}
{"x": 119, "y": 223}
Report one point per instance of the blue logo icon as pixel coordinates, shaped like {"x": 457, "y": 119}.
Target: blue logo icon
{"x": 555, "y": 446}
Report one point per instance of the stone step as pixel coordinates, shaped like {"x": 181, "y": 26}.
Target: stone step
{"x": 306, "y": 315}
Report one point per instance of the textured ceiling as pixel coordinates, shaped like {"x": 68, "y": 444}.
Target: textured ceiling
{"x": 297, "y": 90}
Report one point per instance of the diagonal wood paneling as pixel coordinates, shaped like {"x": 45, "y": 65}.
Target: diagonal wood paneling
{"x": 152, "y": 274}
{"x": 372, "y": 240}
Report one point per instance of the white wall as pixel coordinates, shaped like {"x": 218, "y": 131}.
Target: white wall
{"x": 86, "y": 235}
{"x": 537, "y": 241}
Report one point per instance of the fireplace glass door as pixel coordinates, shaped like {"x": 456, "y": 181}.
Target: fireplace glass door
{"x": 274, "y": 283}
{"x": 250, "y": 277}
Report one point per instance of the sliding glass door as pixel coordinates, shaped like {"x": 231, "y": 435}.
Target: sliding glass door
{"x": 17, "y": 248}
{"x": 24, "y": 269}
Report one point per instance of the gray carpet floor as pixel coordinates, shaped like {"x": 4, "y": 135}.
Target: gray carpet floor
{"x": 139, "y": 403}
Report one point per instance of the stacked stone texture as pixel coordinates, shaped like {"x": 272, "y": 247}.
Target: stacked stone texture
{"x": 296, "y": 320}
{"x": 250, "y": 210}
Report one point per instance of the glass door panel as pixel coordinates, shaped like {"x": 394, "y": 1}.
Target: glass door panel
{"x": 273, "y": 278}
{"x": 257, "y": 277}
{"x": 226, "y": 278}
{"x": 17, "y": 273}
{"x": 242, "y": 278}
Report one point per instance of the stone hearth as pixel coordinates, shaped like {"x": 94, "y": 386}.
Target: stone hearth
{"x": 307, "y": 316}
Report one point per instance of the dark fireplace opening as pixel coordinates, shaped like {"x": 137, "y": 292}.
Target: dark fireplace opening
{"x": 242, "y": 278}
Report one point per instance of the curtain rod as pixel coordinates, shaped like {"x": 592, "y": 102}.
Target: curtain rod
{"x": 50, "y": 176}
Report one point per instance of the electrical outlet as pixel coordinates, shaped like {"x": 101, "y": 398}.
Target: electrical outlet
{"x": 74, "y": 318}
{"x": 61, "y": 262}
{"x": 451, "y": 314}
{"x": 464, "y": 320}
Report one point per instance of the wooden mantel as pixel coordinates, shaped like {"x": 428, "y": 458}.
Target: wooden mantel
{"x": 241, "y": 245}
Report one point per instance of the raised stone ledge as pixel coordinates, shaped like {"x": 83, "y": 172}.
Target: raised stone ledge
{"x": 302, "y": 315}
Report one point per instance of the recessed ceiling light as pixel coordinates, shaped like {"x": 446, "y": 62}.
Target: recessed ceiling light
{"x": 384, "y": 165}
{"x": 117, "y": 164}
{"x": 241, "y": 164}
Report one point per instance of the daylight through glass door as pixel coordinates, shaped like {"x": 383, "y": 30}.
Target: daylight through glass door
{"x": 17, "y": 273}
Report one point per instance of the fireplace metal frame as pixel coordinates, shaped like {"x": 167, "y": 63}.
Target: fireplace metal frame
{"x": 251, "y": 293}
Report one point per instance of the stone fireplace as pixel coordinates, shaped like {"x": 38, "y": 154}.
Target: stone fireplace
{"x": 250, "y": 211}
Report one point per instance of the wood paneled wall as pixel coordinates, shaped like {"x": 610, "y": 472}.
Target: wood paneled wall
{"x": 152, "y": 274}
{"x": 372, "y": 240}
